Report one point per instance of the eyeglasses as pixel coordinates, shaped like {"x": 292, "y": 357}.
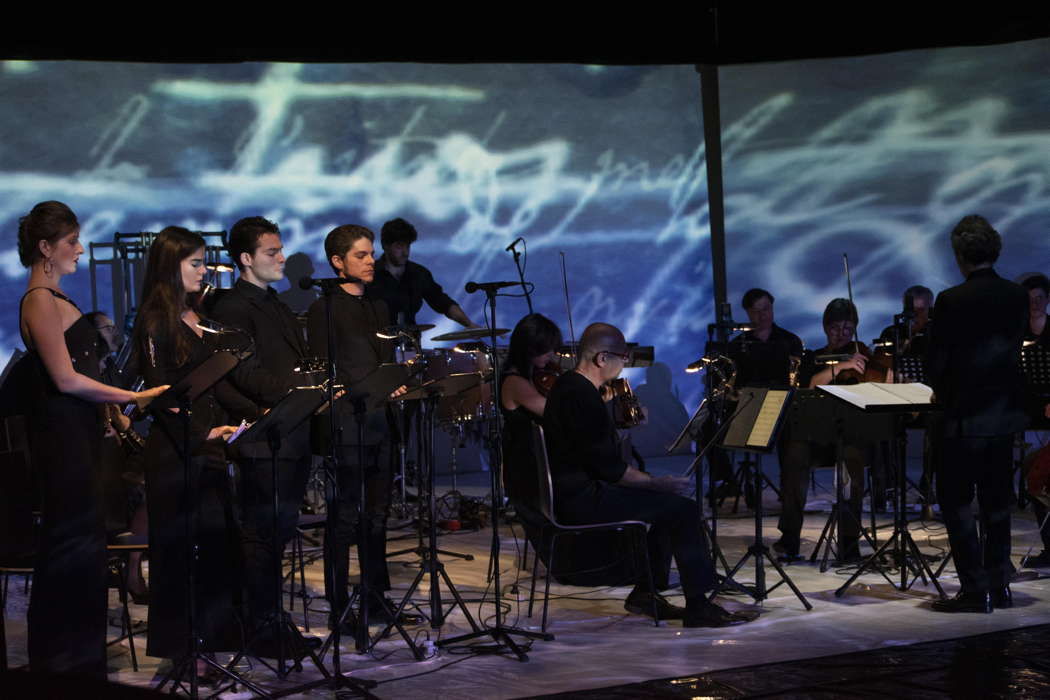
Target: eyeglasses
{"x": 623, "y": 358}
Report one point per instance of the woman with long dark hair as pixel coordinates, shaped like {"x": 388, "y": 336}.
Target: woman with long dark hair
{"x": 532, "y": 346}
{"x": 170, "y": 344}
{"x": 61, "y": 390}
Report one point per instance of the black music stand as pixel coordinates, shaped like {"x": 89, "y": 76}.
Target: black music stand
{"x": 754, "y": 428}
{"x": 898, "y": 400}
{"x": 369, "y": 394}
{"x": 181, "y": 396}
{"x": 429, "y": 394}
{"x": 287, "y": 415}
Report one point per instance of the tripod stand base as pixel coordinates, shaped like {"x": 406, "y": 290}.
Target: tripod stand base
{"x": 502, "y": 636}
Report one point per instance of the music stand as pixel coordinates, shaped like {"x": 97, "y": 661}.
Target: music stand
{"x": 754, "y": 428}
{"x": 181, "y": 396}
{"x": 368, "y": 394}
{"x": 429, "y": 394}
{"x": 899, "y": 400}
{"x": 287, "y": 415}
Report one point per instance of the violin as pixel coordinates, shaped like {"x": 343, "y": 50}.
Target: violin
{"x": 878, "y": 367}
{"x": 543, "y": 378}
{"x": 1038, "y": 479}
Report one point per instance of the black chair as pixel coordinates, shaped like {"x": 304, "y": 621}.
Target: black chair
{"x": 634, "y": 532}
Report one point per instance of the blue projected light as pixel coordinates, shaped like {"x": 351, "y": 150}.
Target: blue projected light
{"x": 876, "y": 157}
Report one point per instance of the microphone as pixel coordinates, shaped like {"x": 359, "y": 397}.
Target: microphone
{"x": 488, "y": 286}
{"x": 326, "y": 282}
{"x": 517, "y": 240}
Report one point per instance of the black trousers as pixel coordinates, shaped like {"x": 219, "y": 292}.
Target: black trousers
{"x": 379, "y": 476}
{"x": 980, "y": 466}
{"x": 261, "y": 556}
{"x": 674, "y": 529}
{"x": 796, "y": 460}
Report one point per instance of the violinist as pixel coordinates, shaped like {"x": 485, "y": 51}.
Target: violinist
{"x": 1038, "y": 287}
{"x": 799, "y": 454}
{"x": 530, "y": 372}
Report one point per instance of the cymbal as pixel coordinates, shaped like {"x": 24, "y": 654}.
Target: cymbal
{"x": 395, "y": 330}
{"x": 471, "y": 334}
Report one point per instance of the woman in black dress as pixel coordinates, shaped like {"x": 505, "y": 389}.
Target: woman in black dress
{"x": 532, "y": 346}
{"x": 60, "y": 388}
{"x": 169, "y": 344}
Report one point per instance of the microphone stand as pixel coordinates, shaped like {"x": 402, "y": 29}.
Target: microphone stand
{"x": 499, "y": 633}
{"x": 512, "y": 248}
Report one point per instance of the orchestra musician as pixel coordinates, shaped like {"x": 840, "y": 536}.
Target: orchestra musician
{"x": 253, "y": 309}
{"x": 1038, "y": 287}
{"x": 170, "y": 345}
{"x": 592, "y": 483}
{"x": 798, "y": 453}
{"x": 917, "y": 300}
{"x": 532, "y": 346}
{"x": 404, "y": 285}
{"x": 764, "y": 354}
{"x": 59, "y": 387}
{"x": 974, "y": 368}
{"x": 356, "y": 318}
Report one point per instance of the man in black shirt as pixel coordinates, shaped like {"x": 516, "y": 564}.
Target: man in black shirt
{"x": 356, "y": 318}
{"x": 918, "y": 301}
{"x": 974, "y": 368}
{"x": 405, "y": 285}
{"x": 593, "y": 484}
{"x": 764, "y": 355}
{"x": 265, "y": 377}
{"x": 812, "y": 440}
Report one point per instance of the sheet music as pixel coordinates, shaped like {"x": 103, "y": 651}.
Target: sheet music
{"x": 766, "y": 420}
{"x": 876, "y": 394}
{"x": 240, "y": 430}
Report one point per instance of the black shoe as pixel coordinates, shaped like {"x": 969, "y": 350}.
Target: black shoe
{"x": 349, "y": 626}
{"x": 642, "y": 604}
{"x": 785, "y": 553}
{"x": 965, "y": 602}
{"x": 1040, "y": 561}
{"x": 710, "y": 615}
{"x": 1002, "y": 597}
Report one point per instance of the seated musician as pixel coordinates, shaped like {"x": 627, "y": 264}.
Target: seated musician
{"x": 592, "y": 484}
{"x": 913, "y": 333}
{"x": 918, "y": 300}
{"x": 799, "y": 453}
{"x": 764, "y": 356}
{"x": 532, "y": 347}
{"x": 1038, "y": 287}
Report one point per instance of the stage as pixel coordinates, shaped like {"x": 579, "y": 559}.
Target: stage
{"x": 598, "y": 645}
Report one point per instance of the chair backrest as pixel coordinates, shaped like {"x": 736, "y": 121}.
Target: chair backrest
{"x": 545, "y": 501}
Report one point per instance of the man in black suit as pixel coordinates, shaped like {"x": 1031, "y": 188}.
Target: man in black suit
{"x": 973, "y": 363}
{"x": 252, "y": 307}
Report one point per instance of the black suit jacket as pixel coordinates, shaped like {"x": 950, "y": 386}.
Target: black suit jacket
{"x": 280, "y": 347}
{"x": 973, "y": 360}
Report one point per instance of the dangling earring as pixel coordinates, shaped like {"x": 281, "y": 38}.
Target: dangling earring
{"x": 48, "y": 267}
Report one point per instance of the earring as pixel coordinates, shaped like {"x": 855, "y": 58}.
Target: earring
{"x": 48, "y": 267}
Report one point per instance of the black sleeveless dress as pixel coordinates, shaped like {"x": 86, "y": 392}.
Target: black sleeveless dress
{"x": 67, "y": 606}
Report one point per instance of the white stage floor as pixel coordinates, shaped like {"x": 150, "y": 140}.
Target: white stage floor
{"x": 598, "y": 644}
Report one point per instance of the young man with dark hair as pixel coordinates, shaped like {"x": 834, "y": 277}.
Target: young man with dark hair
{"x": 592, "y": 484}
{"x": 764, "y": 354}
{"x": 405, "y": 285}
{"x": 973, "y": 365}
{"x": 265, "y": 377}
{"x": 355, "y": 319}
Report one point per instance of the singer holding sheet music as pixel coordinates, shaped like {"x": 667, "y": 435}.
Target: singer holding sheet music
{"x": 404, "y": 285}
{"x": 170, "y": 345}
{"x": 974, "y": 367}
{"x": 252, "y": 310}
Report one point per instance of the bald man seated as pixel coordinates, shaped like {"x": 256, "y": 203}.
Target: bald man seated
{"x": 592, "y": 484}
